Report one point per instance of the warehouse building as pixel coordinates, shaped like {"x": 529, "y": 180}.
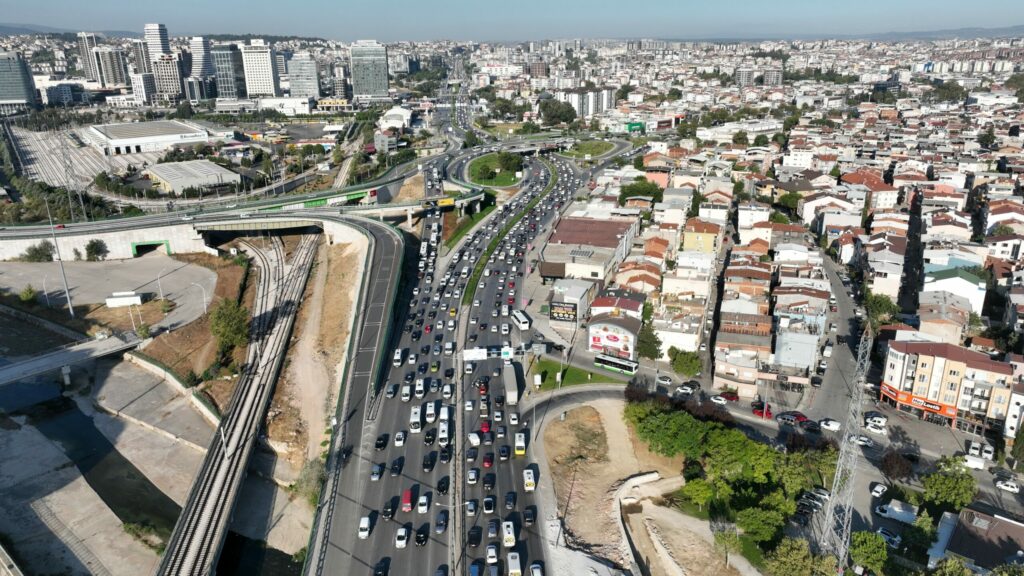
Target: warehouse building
{"x": 138, "y": 137}
{"x": 193, "y": 174}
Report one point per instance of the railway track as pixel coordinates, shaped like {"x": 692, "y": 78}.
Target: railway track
{"x": 199, "y": 533}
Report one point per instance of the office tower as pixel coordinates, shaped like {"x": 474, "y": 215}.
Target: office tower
{"x": 202, "y": 65}
{"x": 17, "y": 89}
{"x": 744, "y": 76}
{"x": 156, "y": 40}
{"x": 230, "y": 72}
{"x": 197, "y": 89}
{"x": 304, "y": 76}
{"x": 143, "y": 87}
{"x": 773, "y": 77}
{"x": 167, "y": 75}
{"x": 280, "y": 64}
{"x": 140, "y": 56}
{"x": 261, "y": 79}
{"x": 111, "y": 67}
{"x": 369, "y": 68}
{"x": 184, "y": 62}
{"x": 86, "y": 42}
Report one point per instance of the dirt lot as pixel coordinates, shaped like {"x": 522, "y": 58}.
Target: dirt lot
{"x": 671, "y": 547}
{"x": 412, "y": 189}
{"x": 582, "y": 444}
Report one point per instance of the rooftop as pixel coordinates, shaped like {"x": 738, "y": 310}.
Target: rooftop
{"x": 132, "y": 130}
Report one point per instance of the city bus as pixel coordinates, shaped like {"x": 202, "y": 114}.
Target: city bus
{"x": 514, "y": 567}
{"x": 616, "y": 364}
{"x": 521, "y": 320}
{"x": 520, "y": 444}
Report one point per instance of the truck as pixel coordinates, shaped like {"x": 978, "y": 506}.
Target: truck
{"x": 898, "y": 511}
{"x": 508, "y": 374}
{"x": 827, "y": 353}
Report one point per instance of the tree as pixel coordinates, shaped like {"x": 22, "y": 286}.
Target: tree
{"x": 790, "y": 200}
{"x": 951, "y": 484}
{"x": 1009, "y": 570}
{"x": 761, "y": 140}
{"x": 922, "y": 533}
{"x": 623, "y": 92}
{"x": 184, "y": 110}
{"x": 555, "y": 112}
{"x": 674, "y": 93}
{"x": 778, "y": 218}
{"x": 640, "y": 188}
{"x": 27, "y": 294}
{"x": 987, "y": 139}
{"x": 759, "y": 524}
{"x": 41, "y": 252}
{"x": 952, "y": 567}
{"x": 880, "y": 308}
{"x": 791, "y": 557}
{"x": 727, "y": 542}
{"x": 143, "y": 331}
{"x": 698, "y": 491}
{"x": 1001, "y": 230}
{"x": 685, "y": 363}
{"x": 895, "y": 466}
{"x": 740, "y": 138}
{"x": 835, "y": 172}
{"x": 229, "y": 323}
{"x": 648, "y": 345}
{"x": 528, "y": 128}
{"x": 510, "y": 162}
{"x": 868, "y": 549}
{"x": 96, "y": 250}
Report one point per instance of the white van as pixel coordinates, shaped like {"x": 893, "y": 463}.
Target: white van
{"x": 397, "y": 361}
{"x": 508, "y": 534}
{"x": 505, "y": 329}
{"x": 442, "y": 433}
{"x": 431, "y": 413}
{"x": 406, "y": 393}
{"x": 421, "y": 389}
{"x": 364, "y": 527}
{"x": 469, "y": 367}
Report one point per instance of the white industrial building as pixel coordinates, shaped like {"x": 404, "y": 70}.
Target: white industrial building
{"x": 137, "y": 137}
{"x": 178, "y": 176}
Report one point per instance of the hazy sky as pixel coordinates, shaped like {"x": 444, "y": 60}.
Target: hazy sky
{"x": 518, "y": 20}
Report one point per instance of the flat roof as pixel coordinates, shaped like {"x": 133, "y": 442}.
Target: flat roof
{"x": 131, "y": 130}
{"x": 192, "y": 170}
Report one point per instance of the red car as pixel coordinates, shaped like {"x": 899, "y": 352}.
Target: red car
{"x": 427, "y": 328}
{"x": 488, "y": 460}
{"x": 799, "y": 417}
{"x": 485, "y": 426}
{"x": 482, "y": 388}
{"x": 511, "y": 284}
{"x": 763, "y": 412}
{"x": 511, "y": 301}
{"x": 730, "y": 396}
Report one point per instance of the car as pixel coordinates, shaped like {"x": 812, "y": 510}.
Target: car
{"x": 536, "y": 570}
{"x": 504, "y": 452}
{"x": 816, "y": 381}
{"x": 430, "y": 436}
{"x": 763, "y": 412}
{"x": 364, "y": 527}
{"x": 422, "y": 535}
{"x": 810, "y": 426}
{"x": 892, "y": 539}
{"x": 381, "y": 443}
{"x": 471, "y": 454}
{"x": 442, "y": 485}
{"x": 423, "y": 504}
{"x": 400, "y": 438}
{"x": 513, "y": 418}
{"x": 441, "y": 524}
{"x": 485, "y": 426}
{"x": 474, "y": 537}
{"x": 821, "y": 494}
{"x": 471, "y": 508}
{"x": 879, "y": 489}
{"x": 428, "y": 462}
{"x": 529, "y": 516}
{"x": 492, "y": 527}
{"x": 488, "y": 505}
{"x": 510, "y": 500}
{"x": 988, "y": 452}
{"x": 730, "y": 396}
{"x": 396, "y": 467}
{"x": 473, "y": 476}
{"x": 875, "y": 428}
{"x": 1008, "y": 485}
{"x": 488, "y": 459}
{"x": 719, "y": 400}
{"x": 392, "y": 391}
{"x": 401, "y": 537}
{"x": 829, "y": 424}
{"x": 862, "y": 440}
{"x": 498, "y": 414}
{"x": 376, "y": 472}
{"x": 663, "y": 380}
{"x": 446, "y": 454}
{"x": 492, "y": 553}
{"x": 388, "y": 512}
{"x": 469, "y": 405}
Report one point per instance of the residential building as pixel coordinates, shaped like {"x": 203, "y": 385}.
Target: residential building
{"x": 17, "y": 88}
{"x": 143, "y": 87}
{"x": 960, "y": 282}
{"x": 110, "y": 65}
{"x": 261, "y": 78}
{"x": 304, "y": 76}
{"x": 369, "y": 71}
{"x": 982, "y": 541}
{"x": 167, "y": 75}
{"x": 141, "y": 62}
{"x": 943, "y": 315}
{"x": 86, "y": 43}
{"x": 701, "y": 236}
{"x": 230, "y": 72}
{"x": 202, "y": 63}
{"x": 744, "y": 77}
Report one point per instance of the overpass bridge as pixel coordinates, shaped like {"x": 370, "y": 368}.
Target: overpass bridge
{"x": 75, "y": 353}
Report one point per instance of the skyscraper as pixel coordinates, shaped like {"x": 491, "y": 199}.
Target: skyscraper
{"x": 143, "y": 87}
{"x": 140, "y": 56}
{"x": 17, "y": 89}
{"x": 156, "y": 40}
{"x": 369, "y": 69}
{"x": 111, "y": 67}
{"x": 304, "y": 75}
{"x": 261, "y": 77}
{"x": 202, "y": 65}
{"x": 167, "y": 74}
{"x": 86, "y": 42}
{"x": 230, "y": 72}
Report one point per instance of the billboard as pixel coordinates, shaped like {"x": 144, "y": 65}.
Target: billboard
{"x": 612, "y": 340}
{"x": 446, "y": 202}
{"x": 562, "y": 311}
{"x": 635, "y": 127}
{"x": 474, "y": 354}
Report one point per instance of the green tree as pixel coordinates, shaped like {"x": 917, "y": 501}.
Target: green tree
{"x": 648, "y": 345}
{"x": 835, "y": 172}
{"x": 510, "y": 162}
{"x": 868, "y": 549}
{"x": 1001, "y": 230}
{"x": 674, "y": 93}
{"x": 824, "y": 565}
{"x": 727, "y": 542}
{"x": 922, "y": 533}
{"x": 623, "y": 92}
{"x": 184, "y": 110}
{"x": 1009, "y": 570}
{"x": 778, "y": 218}
{"x": 41, "y": 252}
{"x": 987, "y": 139}
{"x": 96, "y": 250}
{"x": 641, "y": 187}
{"x": 698, "y": 491}
{"x": 528, "y": 128}
{"x": 792, "y": 557}
{"x": 880, "y": 308}
{"x": 761, "y": 140}
{"x": 27, "y": 294}
{"x": 895, "y": 466}
{"x": 950, "y": 485}
{"x": 740, "y": 138}
{"x": 685, "y": 363}
{"x": 790, "y": 200}
{"x": 555, "y": 112}
{"x": 759, "y": 524}
{"x": 229, "y": 323}
{"x": 143, "y": 331}
{"x": 952, "y": 567}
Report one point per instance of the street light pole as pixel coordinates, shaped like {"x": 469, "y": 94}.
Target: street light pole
{"x": 56, "y": 247}
{"x": 158, "y": 285}
{"x": 204, "y": 296}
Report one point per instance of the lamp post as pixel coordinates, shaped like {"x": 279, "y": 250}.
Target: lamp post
{"x": 46, "y": 293}
{"x": 204, "y": 296}
{"x": 56, "y": 247}
{"x": 158, "y": 285}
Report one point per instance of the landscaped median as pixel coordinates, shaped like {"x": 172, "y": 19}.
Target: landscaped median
{"x": 571, "y": 375}
{"x": 594, "y": 148}
{"x": 478, "y": 270}
{"x": 469, "y": 222}
{"x": 488, "y": 171}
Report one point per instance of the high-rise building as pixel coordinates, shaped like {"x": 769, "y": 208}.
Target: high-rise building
{"x": 304, "y": 76}
{"x": 143, "y": 87}
{"x": 261, "y": 79}
{"x": 369, "y": 69}
{"x": 17, "y": 89}
{"x": 86, "y": 42}
{"x": 744, "y": 76}
{"x": 199, "y": 89}
{"x": 140, "y": 56}
{"x": 538, "y": 69}
{"x": 157, "y": 41}
{"x": 111, "y": 66}
{"x": 229, "y": 70}
{"x": 280, "y": 64}
{"x": 202, "y": 64}
{"x": 773, "y": 77}
{"x": 167, "y": 75}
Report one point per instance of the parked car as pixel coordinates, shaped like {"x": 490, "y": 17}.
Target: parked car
{"x": 829, "y": 424}
{"x": 879, "y": 489}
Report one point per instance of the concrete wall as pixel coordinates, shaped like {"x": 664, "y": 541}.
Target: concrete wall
{"x": 121, "y": 244}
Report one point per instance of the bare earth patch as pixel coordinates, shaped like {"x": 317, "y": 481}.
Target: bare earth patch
{"x": 412, "y": 189}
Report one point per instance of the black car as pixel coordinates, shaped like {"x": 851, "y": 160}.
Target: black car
{"x": 422, "y": 368}
{"x": 841, "y": 339}
{"x": 389, "y": 510}
{"x": 435, "y": 385}
{"x": 416, "y": 336}
{"x": 816, "y": 381}
{"x": 499, "y": 401}
{"x": 442, "y": 486}
{"x": 510, "y": 501}
{"x": 430, "y": 436}
{"x": 409, "y": 377}
{"x": 471, "y": 454}
{"x": 381, "y": 443}
{"x": 396, "y": 467}
{"x": 381, "y": 569}
{"x": 503, "y": 452}
{"x": 811, "y": 426}
{"x": 428, "y": 462}
{"x": 489, "y": 481}
{"x": 422, "y": 535}
{"x": 529, "y": 515}
{"x": 446, "y": 454}
{"x": 475, "y": 536}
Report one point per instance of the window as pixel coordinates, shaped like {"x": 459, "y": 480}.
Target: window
{"x": 952, "y": 386}
{"x": 922, "y": 378}
{"x": 924, "y": 364}
{"x": 954, "y": 372}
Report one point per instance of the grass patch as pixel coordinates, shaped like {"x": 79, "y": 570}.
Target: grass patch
{"x": 752, "y": 552}
{"x": 501, "y": 128}
{"x": 483, "y": 165}
{"x": 593, "y": 147}
{"x": 571, "y": 375}
{"x": 469, "y": 222}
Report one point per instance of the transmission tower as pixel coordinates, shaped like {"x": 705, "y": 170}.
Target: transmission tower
{"x": 69, "y": 175}
{"x": 835, "y": 537}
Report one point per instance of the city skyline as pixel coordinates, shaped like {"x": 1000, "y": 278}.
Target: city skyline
{"x": 796, "y": 19}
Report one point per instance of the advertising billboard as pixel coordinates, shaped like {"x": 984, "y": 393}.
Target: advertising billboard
{"x": 635, "y": 127}
{"x": 612, "y": 340}
{"x": 563, "y": 311}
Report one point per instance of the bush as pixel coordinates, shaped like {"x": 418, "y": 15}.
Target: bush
{"x": 28, "y": 294}
{"x": 229, "y": 323}
{"x": 191, "y": 379}
{"x": 96, "y": 250}
{"x": 41, "y": 252}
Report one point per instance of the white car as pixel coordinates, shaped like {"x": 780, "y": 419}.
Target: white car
{"x": 473, "y": 320}
{"x": 473, "y": 476}
{"x": 401, "y": 538}
{"x": 469, "y": 405}
{"x": 1008, "y": 485}
{"x": 513, "y": 418}
{"x": 829, "y": 424}
{"x": 400, "y": 438}
{"x": 492, "y": 553}
{"x": 446, "y": 392}
{"x": 664, "y": 380}
{"x": 876, "y": 429}
{"x": 423, "y": 505}
{"x": 862, "y": 440}
{"x": 879, "y": 489}
{"x": 719, "y": 400}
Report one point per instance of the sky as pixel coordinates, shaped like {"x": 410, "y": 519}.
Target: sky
{"x": 503, "y": 20}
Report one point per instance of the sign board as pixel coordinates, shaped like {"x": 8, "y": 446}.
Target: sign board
{"x": 446, "y": 202}
{"x": 122, "y": 299}
{"x": 506, "y": 352}
{"x": 563, "y": 311}
{"x": 635, "y": 127}
{"x": 519, "y": 175}
{"x": 536, "y": 380}
{"x": 612, "y": 340}
{"x": 586, "y": 157}
{"x": 540, "y": 348}
{"x": 474, "y": 354}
